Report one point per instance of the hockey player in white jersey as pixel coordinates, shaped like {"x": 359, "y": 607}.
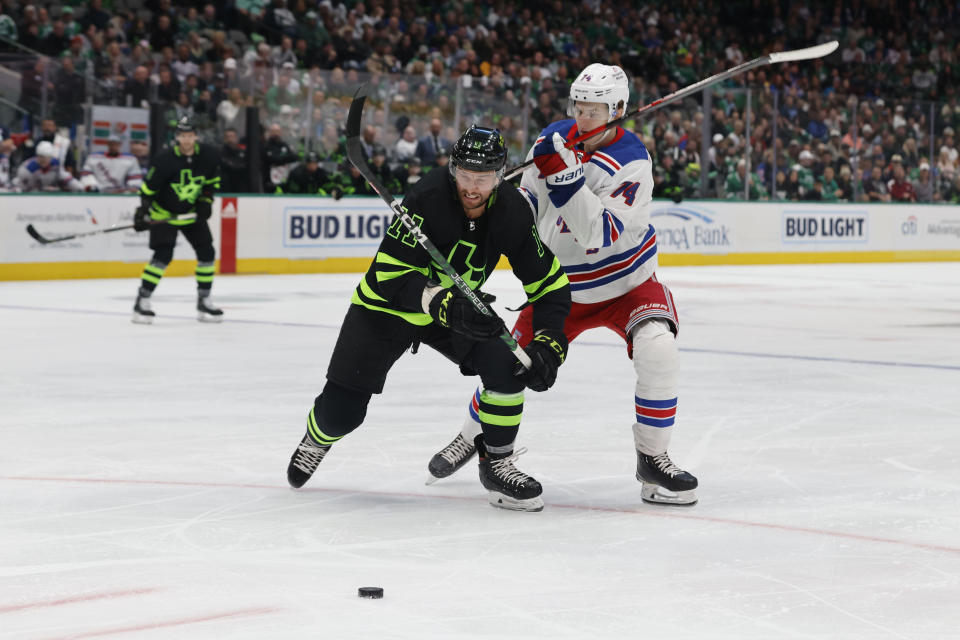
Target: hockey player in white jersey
{"x": 111, "y": 171}
{"x": 43, "y": 172}
{"x": 592, "y": 209}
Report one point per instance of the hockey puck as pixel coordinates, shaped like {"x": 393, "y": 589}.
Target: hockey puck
{"x": 370, "y": 592}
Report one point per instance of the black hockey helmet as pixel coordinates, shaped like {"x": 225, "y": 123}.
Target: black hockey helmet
{"x": 479, "y": 149}
{"x": 185, "y": 123}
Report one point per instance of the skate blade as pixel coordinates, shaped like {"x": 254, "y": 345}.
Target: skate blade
{"x": 139, "y": 319}
{"x": 655, "y": 494}
{"x": 430, "y": 479}
{"x": 203, "y": 317}
{"x": 513, "y": 504}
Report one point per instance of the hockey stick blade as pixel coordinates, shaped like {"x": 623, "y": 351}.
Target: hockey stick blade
{"x": 36, "y": 235}
{"x": 808, "y": 53}
{"x": 355, "y": 155}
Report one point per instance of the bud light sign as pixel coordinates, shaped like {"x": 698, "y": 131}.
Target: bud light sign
{"x": 340, "y": 227}
{"x": 819, "y": 226}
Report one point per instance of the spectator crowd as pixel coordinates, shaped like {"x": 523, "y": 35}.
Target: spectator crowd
{"x": 875, "y": 121}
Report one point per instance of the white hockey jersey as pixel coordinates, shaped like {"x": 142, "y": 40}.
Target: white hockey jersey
{"x": 602, "y": 236}
{"x": 32, "y": 177}
{"x": 111, "y": 174}
{"x": 6, "y": 180}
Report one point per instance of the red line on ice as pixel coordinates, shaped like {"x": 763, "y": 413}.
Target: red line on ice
{"x": 169, "y": 623}
{"x": 72, "y": 599}
{"x": 643, "y": 511}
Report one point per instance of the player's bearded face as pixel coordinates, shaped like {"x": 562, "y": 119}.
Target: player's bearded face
{"x": 474, "y": 187}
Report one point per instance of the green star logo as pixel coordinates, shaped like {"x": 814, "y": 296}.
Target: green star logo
{"x": 189, "y": 187}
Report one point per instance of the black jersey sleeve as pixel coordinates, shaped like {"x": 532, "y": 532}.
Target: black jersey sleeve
{"x": 544, "y": 281}
{"x": 156, "y": 176}
{"x": 211, "y": 173}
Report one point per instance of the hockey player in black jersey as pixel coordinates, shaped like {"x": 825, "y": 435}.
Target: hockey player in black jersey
{"x": 473, "y": 218}
{"x": 181, "y": 180}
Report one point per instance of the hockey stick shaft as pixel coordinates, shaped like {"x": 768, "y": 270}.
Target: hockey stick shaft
{"x": 355, "y": 155}
{"x": 36, "y": 235}
{"x": 809, "y": 53}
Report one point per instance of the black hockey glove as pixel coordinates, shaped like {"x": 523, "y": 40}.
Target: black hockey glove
{"x": 204, "y": 208}
{"x": 141, "y": 219}
{"x": 451, "y": 309}
{"x": 547, "y": 352}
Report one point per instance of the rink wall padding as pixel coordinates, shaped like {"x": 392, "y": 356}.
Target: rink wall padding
{"x": 289, "y": 234}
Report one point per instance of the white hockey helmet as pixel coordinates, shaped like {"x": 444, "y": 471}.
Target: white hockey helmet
{"x": 46, "y": 149}
{"x": 600, "y": 83}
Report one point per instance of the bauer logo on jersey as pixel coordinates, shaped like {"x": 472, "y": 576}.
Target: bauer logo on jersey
{"x": 691, "y": 228}
{"x": 804, "y": 226}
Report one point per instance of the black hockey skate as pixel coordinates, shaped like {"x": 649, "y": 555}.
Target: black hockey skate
{"x": 508, "y": 487}
{"x": 206, "y": 312}
{"x": 305, "y": 461}
{"x": 665, "y": 482}
{"x": 450, "y": 459}
{"x": 142, "y": 313}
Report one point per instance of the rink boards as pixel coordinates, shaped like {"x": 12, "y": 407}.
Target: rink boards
{"x": 287, "y": 234}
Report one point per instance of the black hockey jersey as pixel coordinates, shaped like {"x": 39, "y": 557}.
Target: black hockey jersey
{"x": 395, "y": 281}
{"x": 176, "y": 182}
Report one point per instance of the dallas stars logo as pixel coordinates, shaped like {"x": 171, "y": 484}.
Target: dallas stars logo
{"x": 189, "y": 187}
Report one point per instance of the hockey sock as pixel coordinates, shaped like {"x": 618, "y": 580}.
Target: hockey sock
{"x": 316, "y": 433}
{"x": 500, "y": 415}
{"x": 204, "y": 275}
{"x": 655, "y": 360}
{"x": 471, "y": 424}
{"x": 150, "y": 277}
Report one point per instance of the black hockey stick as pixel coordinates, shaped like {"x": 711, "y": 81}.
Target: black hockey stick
{"x": 44, "y": 240}
{"x": 809, "y": 53}
{"x": 355, "y": 154}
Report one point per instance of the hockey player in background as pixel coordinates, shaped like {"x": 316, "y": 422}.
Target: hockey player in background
{"x": 43, "y": 172}
{"x": 472, "y": 217}
{"x": 181, "y": 181}
{"x": 111, "y": 171}
{"x": 592, "y": 209}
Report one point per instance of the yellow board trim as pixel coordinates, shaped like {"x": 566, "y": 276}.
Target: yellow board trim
{"x": 79, "y": 270}
{"x": 85, "y": 270}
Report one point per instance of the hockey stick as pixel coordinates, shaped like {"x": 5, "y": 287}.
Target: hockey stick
{"x": 355, "y": 154}
{"x": 44, "y": 240}
{"x": 809, "y": 53}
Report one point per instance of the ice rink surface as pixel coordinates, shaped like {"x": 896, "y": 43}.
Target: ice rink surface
{"x": 143, "y": 490}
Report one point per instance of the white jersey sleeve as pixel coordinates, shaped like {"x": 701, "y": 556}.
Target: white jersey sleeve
{"x": 112, "y": 174}
{"x": 602, "y": 235}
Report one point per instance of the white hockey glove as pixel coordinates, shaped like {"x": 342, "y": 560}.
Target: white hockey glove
{"x": 560, "y": 167}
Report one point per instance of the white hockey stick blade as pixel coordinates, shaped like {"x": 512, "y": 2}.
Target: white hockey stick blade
{"x": 809, "y": 53}
{"x": 655, "y": 494}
